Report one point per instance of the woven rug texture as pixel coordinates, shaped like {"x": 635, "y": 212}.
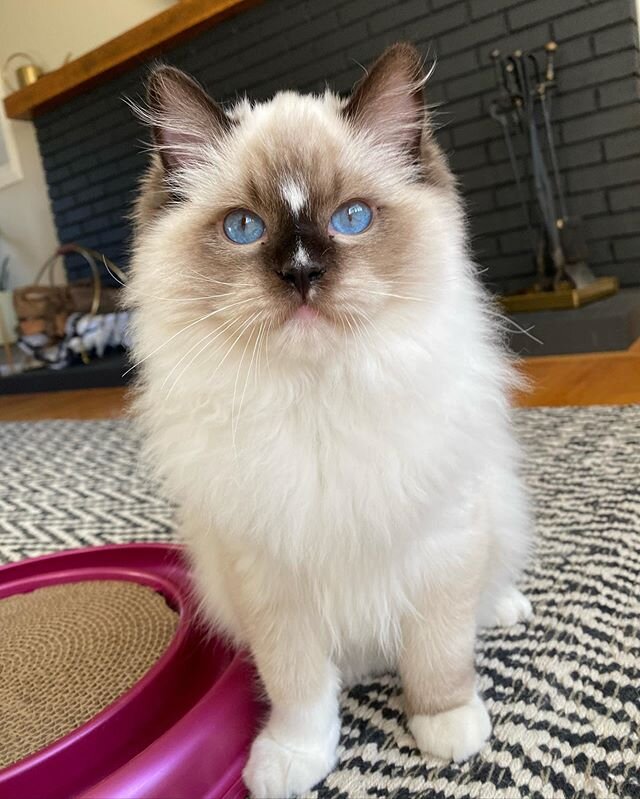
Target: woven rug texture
{"x": 563, "y": 690}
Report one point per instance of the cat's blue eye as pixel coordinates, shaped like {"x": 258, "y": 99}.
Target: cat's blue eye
{"x": 243, "y": 227}
{"x": 352, "y": 218}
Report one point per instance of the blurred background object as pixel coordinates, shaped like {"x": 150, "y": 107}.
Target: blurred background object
{"x": 24, "y": 75}
{"x": 558, "y": 242}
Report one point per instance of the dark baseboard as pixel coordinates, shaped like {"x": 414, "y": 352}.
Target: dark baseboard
{"x": 609, "y": 324}
{"x": 100, "y": 373}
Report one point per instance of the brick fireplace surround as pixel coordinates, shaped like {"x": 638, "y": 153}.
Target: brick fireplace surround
{"x": 93, "y": 149}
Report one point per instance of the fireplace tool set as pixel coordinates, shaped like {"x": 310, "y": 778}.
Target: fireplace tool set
{"x": 556, "y": 240}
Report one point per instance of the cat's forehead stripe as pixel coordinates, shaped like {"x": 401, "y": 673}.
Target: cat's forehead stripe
{"x": 294, "y": 195}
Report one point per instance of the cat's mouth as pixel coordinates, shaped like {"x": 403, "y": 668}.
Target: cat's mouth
{"x": 305, "y": 314}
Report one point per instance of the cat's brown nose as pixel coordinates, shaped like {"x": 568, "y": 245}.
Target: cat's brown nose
{"x": 302, "y": 277}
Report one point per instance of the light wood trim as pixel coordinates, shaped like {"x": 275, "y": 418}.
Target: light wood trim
{"x": 595, "y": 378}
{"x": 165, "y": 30}
{"x": 88, "y": 403}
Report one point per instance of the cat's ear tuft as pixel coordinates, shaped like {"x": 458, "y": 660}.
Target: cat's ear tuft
{"x": 184, "y": 120}
{"x": 388, "y": 101}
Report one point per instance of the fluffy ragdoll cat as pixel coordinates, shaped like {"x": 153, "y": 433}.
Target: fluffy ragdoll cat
{"x": 324, "y": 394}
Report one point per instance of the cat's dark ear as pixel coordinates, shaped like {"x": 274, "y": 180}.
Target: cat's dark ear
{"x": 388, "y": 101}
{"x": 184, "y": 119}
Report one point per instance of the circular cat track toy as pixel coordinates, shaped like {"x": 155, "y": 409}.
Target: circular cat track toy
{"x": 182, "y": 729}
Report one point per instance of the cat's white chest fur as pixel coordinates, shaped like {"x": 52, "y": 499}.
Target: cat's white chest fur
{"x": 320, "y": 465}
{"x": 344, "y": 483}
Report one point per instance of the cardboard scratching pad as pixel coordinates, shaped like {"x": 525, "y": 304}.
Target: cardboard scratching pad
{"x": 110, "y": 685}
{"x": 68, "y": 651}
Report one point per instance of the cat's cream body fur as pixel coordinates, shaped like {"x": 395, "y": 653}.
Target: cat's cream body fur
{"x": 343, "y": 489}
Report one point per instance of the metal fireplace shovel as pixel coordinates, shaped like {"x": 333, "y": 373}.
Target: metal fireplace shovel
{"x": 557, "y": 239}
{"x": 570, "y": 230}
{"x": 504, "y": 111}
{"x": 572, "y": 235}
{"x": 517, "y": 66}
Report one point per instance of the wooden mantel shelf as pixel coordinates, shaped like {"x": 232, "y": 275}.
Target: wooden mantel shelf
{"x": 181, "y": 21}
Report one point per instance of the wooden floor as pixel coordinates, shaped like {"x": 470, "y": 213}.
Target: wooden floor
{"x": 598, "y": 378}
{"x": 91, "y": 403}
{"x": 593, "y": 379}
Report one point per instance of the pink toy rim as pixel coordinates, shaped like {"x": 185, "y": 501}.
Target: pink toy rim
{"x": 37, "y": 574}
{"x": 183, "y": 730}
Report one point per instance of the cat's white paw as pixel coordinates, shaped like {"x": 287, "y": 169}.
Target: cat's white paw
{"x": 511, "y": 607}
{"x": 455, "y": 734}
{"x": 277, "y": 771}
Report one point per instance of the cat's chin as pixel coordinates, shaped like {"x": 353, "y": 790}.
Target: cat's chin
{"x": 306, "y": 333}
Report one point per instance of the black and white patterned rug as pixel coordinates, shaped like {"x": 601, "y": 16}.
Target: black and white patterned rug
{"x": 563, "y": 690}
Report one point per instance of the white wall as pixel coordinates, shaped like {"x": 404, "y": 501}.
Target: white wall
{"x": 48, "y": 30}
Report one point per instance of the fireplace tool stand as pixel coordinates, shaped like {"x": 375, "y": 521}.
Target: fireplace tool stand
{"x": 556, "y": 240}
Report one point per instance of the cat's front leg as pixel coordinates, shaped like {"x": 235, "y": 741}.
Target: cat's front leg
{"x": 297, "y": 747}
{"x": 446, "y": 715}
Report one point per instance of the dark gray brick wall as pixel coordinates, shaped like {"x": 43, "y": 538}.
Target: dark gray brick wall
{"x": 93, "y": 149}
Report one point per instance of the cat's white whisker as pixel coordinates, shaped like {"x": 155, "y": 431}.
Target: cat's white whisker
{"x": 202, "y": 340}
{"x": 236, "y": 413}
{"x": 262, "y": 340}
{"x": 362, "y": 329}
{"x": 266, "y": 348}
{"x": 246, "y": 381}
{"x": 358, "y": 337}
{"x": 164, "y": 343}
{"x": 237, "y": 323}
{"x": 205, "y": 346}
{"x": 210, "y": 279}
{"x": 185, "y": 328}
{"x": 369, "y": 327}
{"x": 244, "y": 327}
{"x": 374, "y": 293}
{"x": 504, "y": 320}
{"x": 525, "y": 331}
{"x": 216, "y": 332}
{"x": 172, "y": 300}
{"x": 346, "y": 318}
